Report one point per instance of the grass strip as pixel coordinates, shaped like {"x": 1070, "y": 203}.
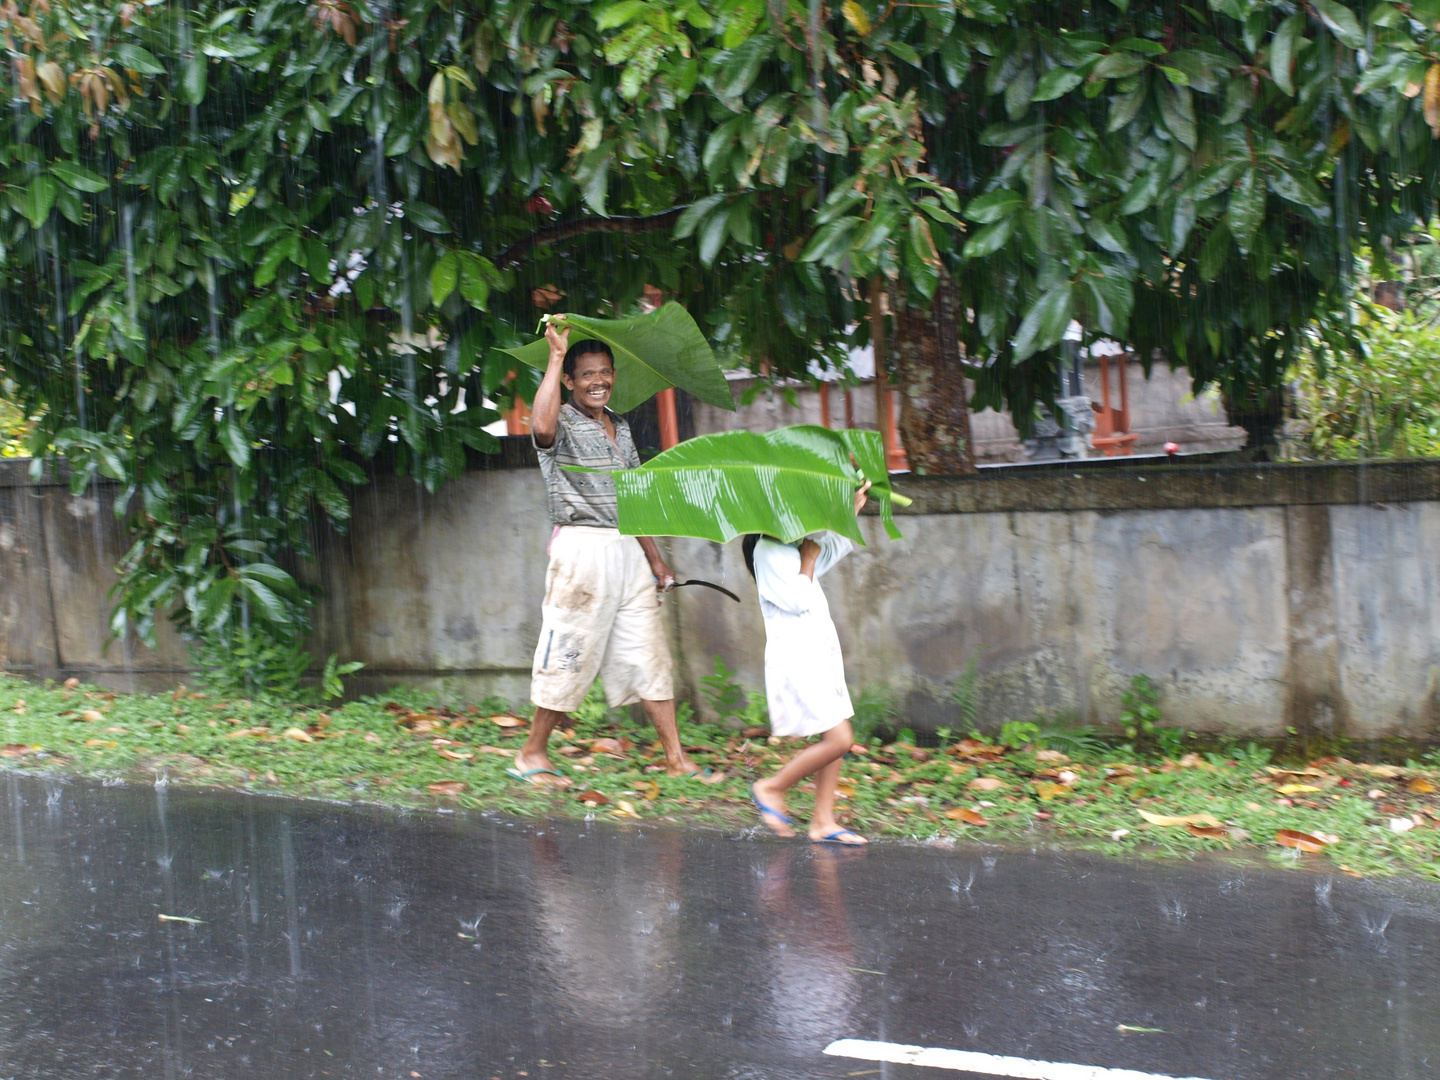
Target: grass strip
{"x": 407, "y": 748}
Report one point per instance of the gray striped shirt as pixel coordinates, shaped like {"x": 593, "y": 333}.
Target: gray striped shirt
{"x": 585, "y": 498}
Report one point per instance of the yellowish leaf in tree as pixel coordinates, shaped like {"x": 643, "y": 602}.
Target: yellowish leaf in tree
{"x": 1431, "y": 99}
{"x": 857, "y": 18}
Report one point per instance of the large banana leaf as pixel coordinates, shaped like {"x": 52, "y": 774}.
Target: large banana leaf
{"x": 652, "y": 353}
{"x": 785, "y": 484}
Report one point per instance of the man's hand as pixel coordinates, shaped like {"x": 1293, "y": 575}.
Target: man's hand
{"x": 664, "y": 576}
{"x": 559, "y": 340}
{"x": 545, "y": 409}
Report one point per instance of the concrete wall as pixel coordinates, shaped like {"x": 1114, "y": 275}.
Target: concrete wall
{"x": 1257, "y": 596}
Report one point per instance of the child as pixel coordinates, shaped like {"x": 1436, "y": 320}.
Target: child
{"x": 804, "y": 676}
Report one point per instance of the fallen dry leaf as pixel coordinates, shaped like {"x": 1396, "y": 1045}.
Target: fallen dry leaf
{"x": 965, "y": 814}
{"x": 71, "y": 683}
{"x": 1387, "y": 772}
{"x": 1420, "y": 786}
{"x": 17, "y": 750}
{"x": 106, "y": 743}
{"x": 298, "y": 734}
{"x": 974, "y": 748}
{"x": 592, "y": 798}
{"x": 572, "y": 751}
{"x": 496, "y": 750}
{"x": 649, "y": 788}
{"x": 451, "y": 755}
{"x": 1296, "y": 789}
{"x": 507, "y": 720}
{"x": 1193, "y": 760}
{"x": 243, "y": 732}
{"x": 986, "y": 783}
{"x": 92, "y": 715}
{"x": 845, "y": 789}
{"x": 1278, "y": 773}
{"x": 609, "y": 746}
{"x": 1166, "y": 820}
{"x": 370, "y": 736}
{"x": 1048, "y": 790}
{"x": 1351, "y": 871}
{"x": 447, "y": 787}
{"x": 755, "y": 733}
{"x": 1299, "y": 840}
{"x": 1051, "y": 755}
{"x": 626, "y": 809}
{"x": 1217, "y": 832}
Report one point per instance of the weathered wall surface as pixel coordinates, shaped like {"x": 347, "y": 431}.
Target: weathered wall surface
{"x": 1258, "y": 597}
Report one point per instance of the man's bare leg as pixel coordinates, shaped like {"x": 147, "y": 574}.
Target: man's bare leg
{"x": 535, "y": 754}
{"x": 677, "y": 762}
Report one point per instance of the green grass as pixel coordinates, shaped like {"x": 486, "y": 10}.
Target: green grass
{"x": 370, "y": 751}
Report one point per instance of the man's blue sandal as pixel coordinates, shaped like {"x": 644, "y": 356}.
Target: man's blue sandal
{"x": 525, "y": 776}
{"x": 834, "y": 838}
{"x": 776, "y": 814}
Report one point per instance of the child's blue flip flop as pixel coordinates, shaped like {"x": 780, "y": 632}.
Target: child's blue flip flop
{"x": 524, "y": 776}
{"x": 776, "y": 814}
{"x": 835, "y": 838}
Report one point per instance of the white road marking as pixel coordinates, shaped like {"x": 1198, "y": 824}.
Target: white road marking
{"x": 984, "y": 1064}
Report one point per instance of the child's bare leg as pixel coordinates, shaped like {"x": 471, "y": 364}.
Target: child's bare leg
{"x": 823, "y": 825}
{"x": 833, "y": 745}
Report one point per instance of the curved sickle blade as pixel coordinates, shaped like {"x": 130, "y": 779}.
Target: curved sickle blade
{"x": 709, "y": 585}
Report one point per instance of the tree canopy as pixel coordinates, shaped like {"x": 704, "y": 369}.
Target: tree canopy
{"x": 247, "y": 248}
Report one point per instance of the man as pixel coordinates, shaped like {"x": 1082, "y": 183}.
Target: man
{"x": 601, "y": 615}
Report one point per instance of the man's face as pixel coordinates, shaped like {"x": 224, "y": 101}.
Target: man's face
{"x": 592, "y": 382}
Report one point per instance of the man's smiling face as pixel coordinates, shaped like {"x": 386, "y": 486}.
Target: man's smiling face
{"x": 592, "y": 382}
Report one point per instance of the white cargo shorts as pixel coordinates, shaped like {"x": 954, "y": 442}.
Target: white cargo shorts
{"x": 601, "y": 617}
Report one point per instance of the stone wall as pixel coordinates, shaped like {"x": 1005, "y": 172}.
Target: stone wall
{"x": 1257, "y": 596}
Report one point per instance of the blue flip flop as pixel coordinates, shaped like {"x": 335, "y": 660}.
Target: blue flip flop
{"x": 526, "y": 774}
{"x": 834, "y": 838}
{"x": 776, "y": 814}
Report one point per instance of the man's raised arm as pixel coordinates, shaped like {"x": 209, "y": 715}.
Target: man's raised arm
{"x": 545, "y": 411}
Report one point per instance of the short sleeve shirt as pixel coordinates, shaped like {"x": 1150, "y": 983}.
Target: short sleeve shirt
{"x": 578, "y": 498}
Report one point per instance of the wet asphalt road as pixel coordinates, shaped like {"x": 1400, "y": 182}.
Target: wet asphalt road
{"x": 348, "y": 942}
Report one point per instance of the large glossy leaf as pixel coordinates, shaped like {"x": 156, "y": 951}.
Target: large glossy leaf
{"x": 785, "y": 484}
{"x": 652, "y": 353}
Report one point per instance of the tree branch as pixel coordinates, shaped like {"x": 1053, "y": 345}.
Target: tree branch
{"x": 583, "y": 227}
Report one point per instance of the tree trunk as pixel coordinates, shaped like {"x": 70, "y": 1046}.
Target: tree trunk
{"x": 934, "y": 413}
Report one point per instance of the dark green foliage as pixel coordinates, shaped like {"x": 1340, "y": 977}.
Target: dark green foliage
{"x": 244, "y": 250}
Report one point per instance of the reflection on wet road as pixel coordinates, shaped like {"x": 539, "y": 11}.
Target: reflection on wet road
{"x": 310, "y": 940}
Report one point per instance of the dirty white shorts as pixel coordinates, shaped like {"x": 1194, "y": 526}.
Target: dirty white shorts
{"x": 600, "y": 618}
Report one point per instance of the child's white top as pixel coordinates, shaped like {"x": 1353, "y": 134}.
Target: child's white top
{"x": 804, "y": 671}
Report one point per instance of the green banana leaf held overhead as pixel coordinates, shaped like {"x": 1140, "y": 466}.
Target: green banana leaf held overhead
{"x": 785, "y": 483}
{"x": 653, "y": 352}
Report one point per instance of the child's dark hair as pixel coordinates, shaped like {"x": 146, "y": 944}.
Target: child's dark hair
{"x": 580, "y": 348}
{"x": 748, "y": 547}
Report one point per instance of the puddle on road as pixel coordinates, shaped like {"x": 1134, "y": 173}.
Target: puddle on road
{"x": 312, "y": 940}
